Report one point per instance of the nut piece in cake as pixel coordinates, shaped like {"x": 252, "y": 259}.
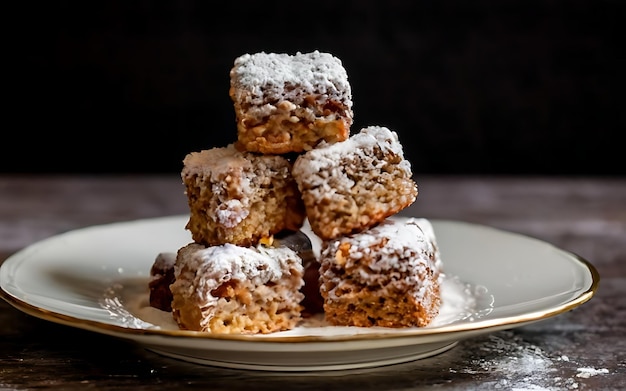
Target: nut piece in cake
{"x": 239, "y": 197}
{"x": 386, "y": 276}
{"x": 350, "y": 186}
{"x": 232, "y": 289}
{"x": 289, "y": 103}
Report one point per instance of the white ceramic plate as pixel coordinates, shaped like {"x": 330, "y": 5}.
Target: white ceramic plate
{"x": 96, "y": 279}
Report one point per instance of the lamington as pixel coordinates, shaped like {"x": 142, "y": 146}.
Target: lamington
{"x": 289, "y": 103}
{"x": 385, "y": 276}
{"x": 239, "y": 197}
{"x": 350, "y": 186}
{"x": 237, "y": 290}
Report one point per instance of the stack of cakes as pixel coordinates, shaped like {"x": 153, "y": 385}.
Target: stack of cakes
{"x": 295, "y": 161}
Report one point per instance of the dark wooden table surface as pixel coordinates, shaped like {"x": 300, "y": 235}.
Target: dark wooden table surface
{"x": 582, "y": 349}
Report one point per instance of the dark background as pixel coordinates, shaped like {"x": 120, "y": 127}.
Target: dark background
{"x": 471, "y": 87}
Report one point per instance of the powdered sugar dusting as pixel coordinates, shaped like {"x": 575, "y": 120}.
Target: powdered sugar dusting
{"x": 317, "y": 165}
{"x": 202, "y": 270}
{"x": 587, "y": 372}
{"x": 163, "y": 262}
{"x": 273, "y": 75}
{"x": 400, "y": 237}
{"x": 520, "y": 365}
{"x": 427, "y": 228}
{"x": 231, "y": 212}
{"x": 116, "y": 300}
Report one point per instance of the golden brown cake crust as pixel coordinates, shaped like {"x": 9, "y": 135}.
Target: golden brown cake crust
{"x": 350, "y": 186}
{"x": 239, "y": 197}
{"x": 386, "y": 276}
{"x": 289, "y": 103}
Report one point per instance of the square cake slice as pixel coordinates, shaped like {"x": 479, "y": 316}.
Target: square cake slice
{"x": 237, "y": 290}
{"x": 239, "y": 197}
{"x": 289, "y": 103}
{"x": 386, "y": 276}
{"x": 350, "y": 186}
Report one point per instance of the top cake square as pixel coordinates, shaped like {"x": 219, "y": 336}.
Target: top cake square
{"x": 289, "y": 103}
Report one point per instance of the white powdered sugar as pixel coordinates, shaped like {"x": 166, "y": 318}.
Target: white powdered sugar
{"x": 231, "y": 212}
{"x": 427, "y": 228}
{"x": 587, "y": 372}
{"x": 325, "y": 161}
{"x": 521, "y": 366}
{"x": 399, "y": 236}
{"x": 201, "y": 270}
{"x": 258, "y": 76}
{"x": 163, "y": 262}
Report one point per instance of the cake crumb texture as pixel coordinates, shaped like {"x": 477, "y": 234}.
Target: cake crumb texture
{"x": 233, "y": 289}
{"x": 385, "y": 276}
{"x": 350, "y": 186}
{"x": 239, "y": 197}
